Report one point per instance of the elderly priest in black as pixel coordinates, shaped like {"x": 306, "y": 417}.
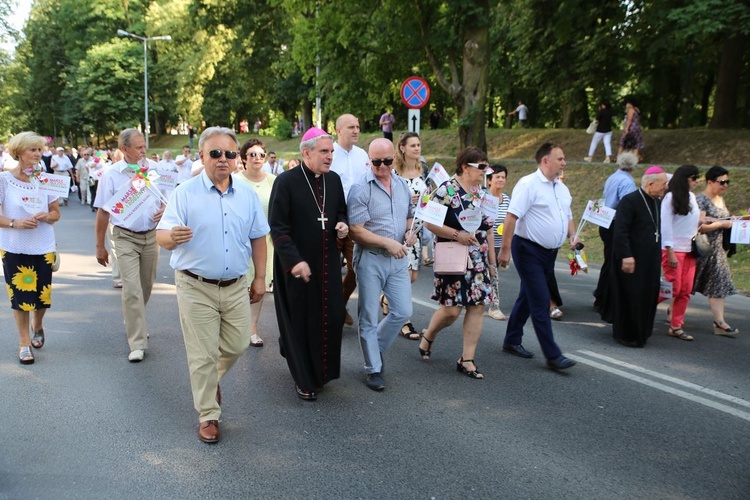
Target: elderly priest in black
{"x": 630, "y": 303}
{"x": 307, "y": 212}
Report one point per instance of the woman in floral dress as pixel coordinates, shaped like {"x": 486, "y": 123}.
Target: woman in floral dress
{"x": 713, "y": 278}
{"x": 27, "y": 241}
{"x": 463, "y": 195}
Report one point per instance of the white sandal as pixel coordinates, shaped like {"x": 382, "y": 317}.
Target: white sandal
{"x": 255, "y": 340}
{"x": 556, "y": 313}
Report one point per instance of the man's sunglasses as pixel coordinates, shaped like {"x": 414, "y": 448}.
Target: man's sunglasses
{"x": 253, "y": 154}
{"x": 388, "y": 162}
{"x": 480, "y": 166}
{"x": 724, "y": 183}
{"x": 216, "y": 154}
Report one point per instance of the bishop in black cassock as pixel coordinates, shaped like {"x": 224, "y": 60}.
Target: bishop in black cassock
{"x": 630, "y": 304}
{"x": 308, "y": 295}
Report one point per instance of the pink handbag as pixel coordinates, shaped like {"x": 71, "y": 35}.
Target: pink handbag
{"x": 450, "y": 258}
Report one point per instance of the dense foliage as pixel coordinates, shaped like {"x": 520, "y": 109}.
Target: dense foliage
{"x": 687, "y": 62}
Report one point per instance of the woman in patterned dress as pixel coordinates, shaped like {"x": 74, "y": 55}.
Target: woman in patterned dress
{"x": 632, "y": 129}
{"x": 27, "y": 241}
{"x": 409, "y": 166}
{"x": 253, "y": 154}
{"x": 462, "y": 194}
{"x": 713, "y": 277}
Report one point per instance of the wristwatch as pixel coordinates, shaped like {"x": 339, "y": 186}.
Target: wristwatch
{"x": 11, "y": 223}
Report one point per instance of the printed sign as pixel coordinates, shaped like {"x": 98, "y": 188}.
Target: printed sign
{"x": 167, "y": 180}
{"x": 665, "y": 289}
{"x": 598, "y": 214}
{"x": 54, "y": 185}
{"x": 470, "y": 219}
{"x": 430, "y": 211}
{"x": 489, "y": 206}
{"x": 438, "y": 175}
{"x": 128, "y": 203}
{"x": 33, "y": 203}
{"x": 740, "y": 232}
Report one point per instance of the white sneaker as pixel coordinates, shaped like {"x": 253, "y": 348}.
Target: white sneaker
{"x": 607, "y": 160}
{"x": 136, "y": 355}
{"x": 587, "y": 159}
{"x": 556, "y": 313}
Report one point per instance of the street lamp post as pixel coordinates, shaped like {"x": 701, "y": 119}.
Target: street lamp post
{"x": 145, "y": 41}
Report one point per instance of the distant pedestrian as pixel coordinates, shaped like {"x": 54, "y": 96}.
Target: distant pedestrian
{"x": 523, "y": 113}
{"x": 632, "y": 132}
{"x": 27, "y": 241}
{"x": 191, "y": 136}
{"x": 210, "y": 262}
{"x": 184, "y": 164}
{"x": 538, "y": 221}
{"x": 387, "y": 122}
{"x": 85, "y": 162}
{"x": 603, "y": 132}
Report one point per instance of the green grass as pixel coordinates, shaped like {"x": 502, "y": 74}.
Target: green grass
{"x": 515, "y": 148}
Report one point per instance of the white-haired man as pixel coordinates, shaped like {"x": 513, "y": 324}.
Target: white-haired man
{"x": 307, "y": 214}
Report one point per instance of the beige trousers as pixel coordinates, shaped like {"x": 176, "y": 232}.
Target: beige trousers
{"x": 216, "y": 329}
{"x": 138, "y": 258}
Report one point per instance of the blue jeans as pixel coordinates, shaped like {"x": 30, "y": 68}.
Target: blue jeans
{"x": 378, "y": 271}
{"x": 533, "y": 263}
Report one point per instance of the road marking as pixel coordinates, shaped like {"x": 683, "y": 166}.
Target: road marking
{"x": 657, "y": 385}
{"x": 674, "y": 380}
{"x": 425, "y": 303}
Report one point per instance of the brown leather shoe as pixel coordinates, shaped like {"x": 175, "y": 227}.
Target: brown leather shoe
{"x": 208, "y": 431}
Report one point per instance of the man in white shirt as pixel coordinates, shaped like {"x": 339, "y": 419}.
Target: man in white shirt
{"x": 271, "y": 166}
{"x": 6, "y": 161}
{"x": 62, "y": 165}
{"x": 539, "y": 217}
{"x": 351, "y": 163}
{"x": 168, "y": 172}
{"x": 184, "y": 164}
{"x": 523, "y": 113}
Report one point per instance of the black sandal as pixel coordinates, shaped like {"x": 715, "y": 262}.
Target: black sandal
{"x": 462, "y": 369}
{"x": 384, "y": 305}
{"x": 408, "y": 331}
{"x": 425, "y": 352}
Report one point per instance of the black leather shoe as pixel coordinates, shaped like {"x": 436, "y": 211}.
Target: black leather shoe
{"x": 517, "y": 350}
{"x": 560, "y": 363}
{"x": 628, "y": 343}
{"x": 375, "y": 381}
{"x": 306, "y": 395}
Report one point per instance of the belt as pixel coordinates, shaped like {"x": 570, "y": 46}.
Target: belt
{"x": 378, "y": 251}
{"x": 219, "y": 283}
{"x": 131, "y": 231}
{"x": 534, "y": 243}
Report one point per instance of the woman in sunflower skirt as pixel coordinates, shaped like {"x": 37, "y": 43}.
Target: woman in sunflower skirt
{"x": 27, "y": 241}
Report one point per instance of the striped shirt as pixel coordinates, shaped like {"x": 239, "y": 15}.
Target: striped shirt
{"x": 502, "y": 211}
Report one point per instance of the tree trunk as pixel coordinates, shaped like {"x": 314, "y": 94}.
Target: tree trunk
{"x": 471, "y": 106}
{"x": 307, "y": 114}
{"x": 705, "y": 99}
{"x": 728, "y": 81}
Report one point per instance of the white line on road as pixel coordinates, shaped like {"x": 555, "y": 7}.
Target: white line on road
{"x": 662, "y": 387}
{"x": 674, "y": 380}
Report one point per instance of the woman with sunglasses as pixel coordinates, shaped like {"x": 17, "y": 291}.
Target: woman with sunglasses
{"x": 409, "y": 166}
{"x": 680, "y": 217}
{"x": 464, "y": 223}
{"x": 253, "y": 154}
{"x": 713, "y": 278}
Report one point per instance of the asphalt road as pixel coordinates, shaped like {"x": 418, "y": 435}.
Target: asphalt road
{"x": 668, "y": 421}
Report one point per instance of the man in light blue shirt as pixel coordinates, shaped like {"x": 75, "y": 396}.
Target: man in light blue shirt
{"x": 213, "y": 227}
{"x": 616, "y": 186}
{"x": 380, "y": 215}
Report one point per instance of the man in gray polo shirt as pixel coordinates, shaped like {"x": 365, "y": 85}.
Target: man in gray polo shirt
{"x": 380, "y": 216}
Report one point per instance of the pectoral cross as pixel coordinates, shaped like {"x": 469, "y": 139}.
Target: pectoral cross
{"x": 323, "y": 219}
{"x": 656, "y": 236}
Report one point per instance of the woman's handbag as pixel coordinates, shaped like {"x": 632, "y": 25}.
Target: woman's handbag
{"x": 701, "y": 247}
{"x": 592, "y": 128}
{"x": 451, "y": 258}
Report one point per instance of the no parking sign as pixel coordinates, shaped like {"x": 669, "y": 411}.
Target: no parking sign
{"x": 415, "y": 93}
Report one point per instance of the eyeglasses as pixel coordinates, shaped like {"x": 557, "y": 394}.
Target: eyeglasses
{"x": 216, "y": 154}
{"x": 723, "y": 183}
{"x": 388, "y": 162}
{"x": 480, "y": 166}
{"x": 253, "y": 154}
{"x": 695, "y": 177}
